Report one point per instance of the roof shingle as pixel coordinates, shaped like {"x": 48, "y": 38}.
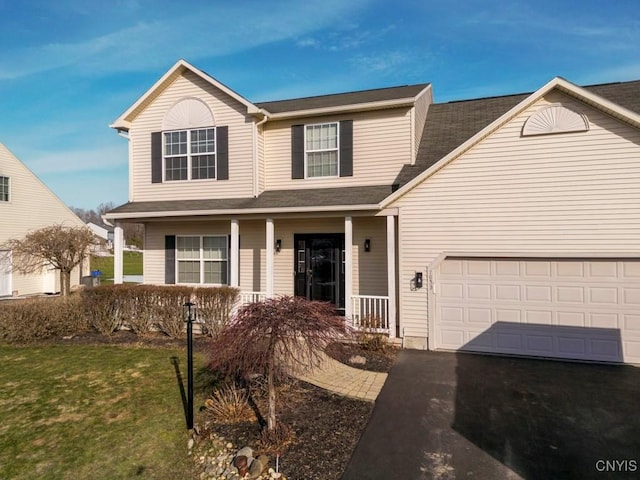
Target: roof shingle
{"x": 342, "y": 99}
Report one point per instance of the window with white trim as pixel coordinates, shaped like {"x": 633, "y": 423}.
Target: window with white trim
{"x": 4, "y": 189}
{"x": 202, "y": 259}
{"x": 321, "y": 150}
{"x": 190, "y": 154}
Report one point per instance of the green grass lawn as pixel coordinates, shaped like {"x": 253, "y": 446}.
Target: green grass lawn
{"x": 132, "y": 265}
{"x": 99, "y": 412}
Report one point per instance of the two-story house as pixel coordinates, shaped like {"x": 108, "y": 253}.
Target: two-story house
{"x": 26, "y": 204}
{"x": 502, "y": 225}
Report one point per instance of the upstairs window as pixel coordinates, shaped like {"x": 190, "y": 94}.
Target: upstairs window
{"x": 202, "y": 259}
{"x": 189, "y": 145}
{"x": 4, "y": 189}
{"x": 190, "y": 154}
{"x": 321, "y": 150}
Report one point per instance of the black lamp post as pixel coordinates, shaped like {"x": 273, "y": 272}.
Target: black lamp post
{"x": 189, "y": 365}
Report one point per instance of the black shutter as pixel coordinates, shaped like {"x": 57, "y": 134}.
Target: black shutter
{"x": 346, "y": 148}
{"x": 297, "y": 151}
{"x": 170, "y": 259}
{"x": 156, "y": 157}
{"x": 222, "y": 153}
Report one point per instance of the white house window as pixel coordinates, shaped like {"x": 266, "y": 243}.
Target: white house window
{"x": 190, "y": 154}
{"x": 202, "y": 259}
{"x": 4, "y": 189}
{"x": 321, "y": 149}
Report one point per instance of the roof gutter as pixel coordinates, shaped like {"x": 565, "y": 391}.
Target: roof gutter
{"x": 358, "y": 107}
{"x": 238, "y": 211}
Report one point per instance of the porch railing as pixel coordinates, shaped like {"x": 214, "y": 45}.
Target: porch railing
{"x": 370, "y": 313}
{"x": 251, "y": 297}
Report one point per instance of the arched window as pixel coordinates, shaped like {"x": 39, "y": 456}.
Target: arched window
{"x": 190, "y": 146}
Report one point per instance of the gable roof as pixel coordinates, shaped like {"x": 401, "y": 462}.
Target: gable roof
{"x": 123, "y": 122}
{"x": 453, "y": 127}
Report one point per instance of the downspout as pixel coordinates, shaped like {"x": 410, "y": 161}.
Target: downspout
{"x": 125, "y": 134}
{"x": 265, "y": 118}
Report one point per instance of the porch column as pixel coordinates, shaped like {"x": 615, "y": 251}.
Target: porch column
{"x": 270, "y": 248}
{"x": 235, "y": 253}
{"x": 348, "y": 267}
{"x": 118, "y": 255}
{"x": 391, "y": 273}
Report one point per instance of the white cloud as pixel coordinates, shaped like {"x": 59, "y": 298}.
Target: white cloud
{"x": 211, "y": 31}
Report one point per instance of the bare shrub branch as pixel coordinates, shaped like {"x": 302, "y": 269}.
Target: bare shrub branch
{"x": 275, "y": 337}
{"x": 58, "y": 246}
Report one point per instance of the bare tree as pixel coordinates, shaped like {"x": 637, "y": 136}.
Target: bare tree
{"x": 57, "y": 246}
{"x": 276, "y": 337}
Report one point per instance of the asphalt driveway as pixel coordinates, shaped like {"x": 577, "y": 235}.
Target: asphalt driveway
{"x": 464, "y": 416}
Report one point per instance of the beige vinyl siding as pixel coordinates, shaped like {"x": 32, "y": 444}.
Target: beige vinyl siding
{"x": 381, "y": 146}
{"x": 419, "y": 118}
{"x": 31, "y": 206}
{"x": 226, "y": 112}
{"x": 370, "y": 268}
{"x": 566, "y": 194}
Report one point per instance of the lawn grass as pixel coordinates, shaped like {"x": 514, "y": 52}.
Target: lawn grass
{"x": 132, "y": 265}
{"x": 99, "y": 412}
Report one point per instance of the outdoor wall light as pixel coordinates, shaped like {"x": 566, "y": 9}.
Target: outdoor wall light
{"x": 418, "y": 279}
{"x": 278, "y": 245}
{"x": 367, "y": 244}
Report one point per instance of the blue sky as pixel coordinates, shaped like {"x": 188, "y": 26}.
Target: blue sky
{"x": 68, "y": 68}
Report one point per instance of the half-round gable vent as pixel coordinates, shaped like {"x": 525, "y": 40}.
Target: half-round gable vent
{"x": 555, "y": 118}
{"x": 188, "y": 113}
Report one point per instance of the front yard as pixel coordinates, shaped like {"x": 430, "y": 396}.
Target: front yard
{"x": 99, "y": 412}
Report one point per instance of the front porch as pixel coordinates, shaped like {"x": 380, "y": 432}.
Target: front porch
{"x": 369, "y": 312}
{"x": 349, "y": 261}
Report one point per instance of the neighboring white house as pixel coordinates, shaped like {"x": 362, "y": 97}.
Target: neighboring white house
{"x": 501, "y": 225}
{"x": 102, "y": 233}
{"x": 26, "y": 204}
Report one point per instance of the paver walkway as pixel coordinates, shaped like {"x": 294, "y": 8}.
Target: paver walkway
{"x": 345, "y": 380}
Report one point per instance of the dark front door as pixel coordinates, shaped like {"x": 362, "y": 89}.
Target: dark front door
{"x": 319, "y": 267}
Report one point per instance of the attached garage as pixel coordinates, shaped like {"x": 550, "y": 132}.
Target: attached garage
{"x": 571, "y": 308}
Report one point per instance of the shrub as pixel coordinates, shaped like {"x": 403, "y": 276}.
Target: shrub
{"x": 368, "y": 336}
{"x": 170, "y": 315}
{"x": 26, "y": 321}
{"x": 143, "y": 309}
{"x": 104, "y": 307}
{"x": 230, "y": 404}
{"x": 214, "y": 307}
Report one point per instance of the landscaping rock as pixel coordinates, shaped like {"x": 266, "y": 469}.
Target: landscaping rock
{"x": 357, "y": 360}
{"x": 258, "y": 466}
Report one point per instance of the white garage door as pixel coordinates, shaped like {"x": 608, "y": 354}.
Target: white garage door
{"x": 583, "y": 309}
